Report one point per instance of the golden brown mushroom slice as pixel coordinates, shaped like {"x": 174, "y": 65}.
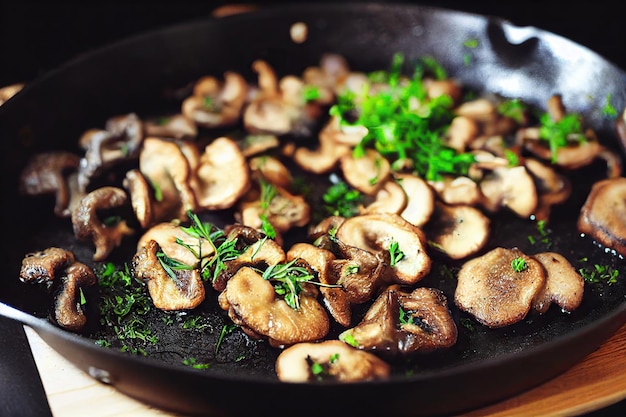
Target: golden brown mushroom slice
{"x": 420, "y": 199}
{"x": 604, "y": 212}
{"x": 88, "y": 226}
{"x": 496, "y": 291}
{"x": 222, "y": 175}
{"x": 216, "y": 103}
{"x": 390, "y": 198}
{"x": 457, "y": 190}
{"x": 564, "y": 285}
{"x": 68, "y": 309}
{"x": 405, "y": 322}
{"x": 510, "y": 187}
{"x": 176, "y": 126}
{"x": 43, "y": 266}
{"x": 49, "y": 173}
{"x": 167, "y": 169}
{"x": 172, "y": 289}
{"x": 365, "y": 173}
{"x": 553, "y": 188}
{"x": 169, "y": 234}
{"x": 390, "y": 233}
{"x": 457, "y": 231}
{"x": 334, "y": 297}
{"x": 330, "y": 360}
{"x": 328, "y": 153}
{"x": 252, "y": 303}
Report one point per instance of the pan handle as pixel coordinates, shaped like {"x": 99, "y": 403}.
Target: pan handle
{"x": 13, "y": 313}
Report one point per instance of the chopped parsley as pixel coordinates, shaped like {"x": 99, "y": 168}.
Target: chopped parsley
{"x": 599, "y": 274}
{"x": 342, "y": 200}
{"x": 560, "y": 133}
{"x": 519, "y": 264}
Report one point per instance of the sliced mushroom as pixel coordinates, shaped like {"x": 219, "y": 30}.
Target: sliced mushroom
{"x": 328, "y": 153}
{"x": 222, "y": 175}
{"x": 284, "y": 211}
{"x": 252, "y": 145}
{"x": 603, "y": 213}
{"x": 462, "y": 131}
{"x": 272, "y": 170}
{"x": 215, "y": 103}
{"x": 279, "y": 107}
{"x": 510, "y": 187}
{"x": 458, "y": 190}
{"x": 173, "y": 239}
{"x": 48, "y": 173}
{"x": 564, "y": 286}
{"x": 382, "y": 232}
{"x": 401, "y": 322}
{"x": 176, "y": 126}
{"x": 68, "y": 309}
{"x": 495, "y": 293}
{"x": 338, "y": 362}
{"x": 141, "y": 197}
{"x": 167, "y": 169}
{"x": 421, "y": 200}
{"x": 253, "y": 304}
{"x": 87, "y": 224}
{"x": 335, "y": 298}
{"x": 390, "y": 198}
{"x": 120, "y": 141}
{"x": 179, "y": 289}
{"x": 457, "y": 231}
{"x": 365, "y": 173}
{"x": 44, "y": 266}
{"x": 553, "y": 188}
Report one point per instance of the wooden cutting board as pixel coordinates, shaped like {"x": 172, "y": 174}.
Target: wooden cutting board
{"x": 596, "y": 382}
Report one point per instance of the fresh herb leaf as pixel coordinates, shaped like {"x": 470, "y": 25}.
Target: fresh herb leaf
{"x": 600, "y": 273}
{"x": 226, "y": 329}
{"x": 342, "y": 200}
{"x": 395, "y": 253}
{"x": 519, "y": 264}
{"x": 560, "y": 133}
{"x": 193, "y": 362}
{"x": 609, "y": 110}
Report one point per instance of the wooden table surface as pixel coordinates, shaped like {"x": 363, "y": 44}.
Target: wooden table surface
{"x": 596, "y": 382}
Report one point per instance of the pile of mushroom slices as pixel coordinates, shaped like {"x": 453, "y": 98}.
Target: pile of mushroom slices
{"x": 164, "y": 169}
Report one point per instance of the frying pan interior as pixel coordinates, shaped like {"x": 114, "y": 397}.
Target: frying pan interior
{"x": 146, "y": 75}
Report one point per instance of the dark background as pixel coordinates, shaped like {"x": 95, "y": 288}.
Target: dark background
{"x": 36, "y": 37}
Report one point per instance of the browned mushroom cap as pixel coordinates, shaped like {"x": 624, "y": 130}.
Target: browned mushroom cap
{"x": 359, "y": 272}
{"x": 390, "y": 198}
{"x": 462, "y": 131}
{"x": 365, "y": 173}
{"x": 564, "y": 286}
{"x": 222, "y": 176}
{"x": 9, "y": 91}
{"x": 183, "y": 290}
{"x": 176, "y": 126}
{"x": 88, "y": 226}
{"x": 602, "y": 216}
{"x": 382, "y": 232}
{"x": 492, "y": 291}
{"x": 421, "y": 200}
{"x": 338, "y": 361}
{"x": 141, "y": 197}
{"x": 458, "y": 190}
{"x": 330, "y": 150}
{"x": 47, "y": 173}
{"x": 278, "y": 107}
{"x": 43, "y": 266}
{"x": 214, "y": 103}
{"x": 252, "y": 145}
{"x": 119, "y": 141}
{"x": 272, "y": 170}
{"x": 327, "y": 77}
{"x": 553, "y": 188}
{"x": 510, "y": 187}
{"x": 252, "y": 303}
{"x": 68, "y": 309}
{"x": 457, "y": 231}
{"x": 168, "y": 235}
{"x": 166, "y": 168}
{"x": 284, "y": 211}
{"x": 335, "y": 298}
{"x": 257, "y": 251}
{"x": 401, "y": 322}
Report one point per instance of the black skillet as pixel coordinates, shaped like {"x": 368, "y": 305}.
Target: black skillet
{"x": 141, "y": 74}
